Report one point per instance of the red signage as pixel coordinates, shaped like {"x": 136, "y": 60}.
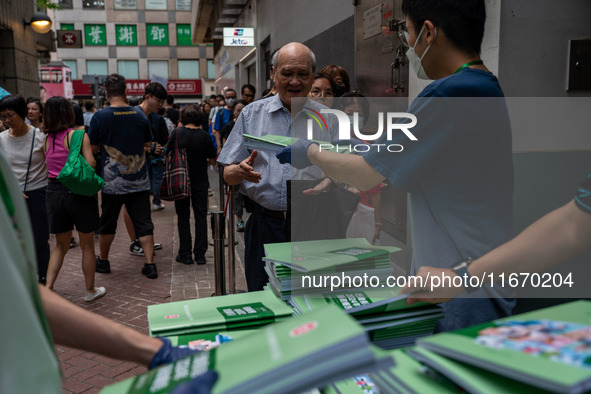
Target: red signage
{"x": 69, "y": 38}
{"x": 136, "y": 87}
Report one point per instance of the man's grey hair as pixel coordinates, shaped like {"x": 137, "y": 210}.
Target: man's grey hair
{"x": 275, "y": 59}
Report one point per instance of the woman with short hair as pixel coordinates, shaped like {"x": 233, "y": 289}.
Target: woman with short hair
{"x": 23, "y": 145}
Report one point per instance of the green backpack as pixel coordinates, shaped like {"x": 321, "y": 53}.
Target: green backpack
{"x": 77, "y": 175}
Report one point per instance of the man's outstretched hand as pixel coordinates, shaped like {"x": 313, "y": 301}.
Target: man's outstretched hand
{"x": 296, "y": 154}
{"x": 246, "y": 169}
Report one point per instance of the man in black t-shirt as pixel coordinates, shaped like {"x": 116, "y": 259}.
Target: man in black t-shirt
{"x": 123, "y": 134}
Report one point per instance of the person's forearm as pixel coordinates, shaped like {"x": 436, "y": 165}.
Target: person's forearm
{"x": 218, "y": 138}
{"x": 78, "y": 328}
{"x": 348, "y": 168}
{"x": 556, "y": 238}
{"x": 232, "y": 175}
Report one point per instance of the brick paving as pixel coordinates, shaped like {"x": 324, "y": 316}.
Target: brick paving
{"x": 129, "y": 293}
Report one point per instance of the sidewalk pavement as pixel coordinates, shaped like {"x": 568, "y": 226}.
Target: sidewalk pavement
{"x": 129, "y": 293}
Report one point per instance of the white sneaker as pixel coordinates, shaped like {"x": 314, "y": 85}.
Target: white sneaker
{"x": 157, "y": 207}
{"x": 100, "y": 291}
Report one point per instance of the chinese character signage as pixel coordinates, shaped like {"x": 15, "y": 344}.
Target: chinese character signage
{"x": 183, "y": 5}
{"x": 126, "y": 34}
{"x": 156, "y": 4}
{"x": 95, "y": 35}
{"x": 187, "y": 87}
{"x": 183, "y": 35}
{"x": 157, "y": 34}
{"x": 125, "y": 4}
{"x": 238, "y": 36}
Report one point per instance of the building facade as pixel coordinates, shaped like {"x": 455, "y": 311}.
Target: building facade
{"x": 21, "y": 49}
{"x": 142, "y": 40}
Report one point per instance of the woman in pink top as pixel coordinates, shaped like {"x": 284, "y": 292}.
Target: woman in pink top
{"x": 64, "y": 208}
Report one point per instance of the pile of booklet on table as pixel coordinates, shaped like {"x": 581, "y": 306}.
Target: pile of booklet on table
{"x": 548, "y": 350}
{"x": 388, "y": 320}
{"x": 215, "y": 314}
{"x": 325, "y": 265}
{"x": 290, "y": 357}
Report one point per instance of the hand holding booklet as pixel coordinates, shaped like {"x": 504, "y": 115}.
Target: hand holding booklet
{"x": 289, "y": 357}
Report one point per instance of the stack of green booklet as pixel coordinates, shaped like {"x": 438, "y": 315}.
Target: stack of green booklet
{"x": 288, "y": 357}
{"x": 406, "y": 376}
{"x": 384, "y": 314}
{"x": 317, "y": 266}
{"x": 548, "y": 349}
{"x": 275, "y": 143}
{"x": 214, "y": 314}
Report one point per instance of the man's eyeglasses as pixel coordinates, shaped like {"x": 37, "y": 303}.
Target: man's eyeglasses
{"x": 403, "y": 37}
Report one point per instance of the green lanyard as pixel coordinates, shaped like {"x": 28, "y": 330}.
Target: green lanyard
{"x": 472, "y": 63}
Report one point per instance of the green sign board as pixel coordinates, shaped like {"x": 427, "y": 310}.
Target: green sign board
{"x": 95, "y": 35}
{"x": 183, "y": 35}
{"x": 67, "y": 26}
{"x": 157, "y": 33}
{"x": 126, "y": 34}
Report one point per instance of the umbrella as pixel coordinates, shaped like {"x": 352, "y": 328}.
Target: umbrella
{"x": 3, "y": 92}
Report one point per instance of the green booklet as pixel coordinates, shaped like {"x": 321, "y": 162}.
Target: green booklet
{"x": 384, "y": 314}
{"x": 318, "y": 255}
{"x": 468, "y": 377}
{"x": 549, "y": 348}
{"x": 406, "y": 376}
{"x": 291, "y": 356}
{"x": 216, "y": 313}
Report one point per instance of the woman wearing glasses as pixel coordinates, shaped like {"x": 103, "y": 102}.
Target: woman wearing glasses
{"x": 23, "y": 145}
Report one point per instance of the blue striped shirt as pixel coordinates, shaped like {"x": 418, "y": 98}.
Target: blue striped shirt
{"x": 270, "y": 116}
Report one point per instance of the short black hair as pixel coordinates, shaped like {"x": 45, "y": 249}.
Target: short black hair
{"x": 58, "y": 116}
{"x": 16, "y": 103}
{"x": 249, "y": 87}
{"x": 333, "y": 85}
{"x": 351, "y": 98}
{"x": 170, "y": 99}
{"x": 191, "y": 113}
{"x": 115, "y": 85}
{"x": 220, "y": 96}
{"x": 240, "y": 101}
{"x": 229, "y": 90}
{"x": 461, "y": 20}
{"x": 157, "y": 90}
{"x": 78, "y": 116}
{"x": 36, "y": 101}
{"x": 88, "y": 105}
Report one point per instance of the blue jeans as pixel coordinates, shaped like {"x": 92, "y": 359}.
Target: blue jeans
{"x": 157, "y": 168}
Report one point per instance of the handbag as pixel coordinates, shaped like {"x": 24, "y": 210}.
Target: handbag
{"x": 77, "y": 175}
{"x": 176, "y": 183}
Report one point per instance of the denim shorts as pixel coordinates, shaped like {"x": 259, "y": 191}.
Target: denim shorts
{"x": 66, "y": 210}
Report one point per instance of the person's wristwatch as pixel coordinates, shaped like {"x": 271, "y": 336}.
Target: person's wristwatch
{"x": 461, "y": 270}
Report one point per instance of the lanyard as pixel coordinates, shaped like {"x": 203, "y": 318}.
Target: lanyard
{"x": 472, "y": 63}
